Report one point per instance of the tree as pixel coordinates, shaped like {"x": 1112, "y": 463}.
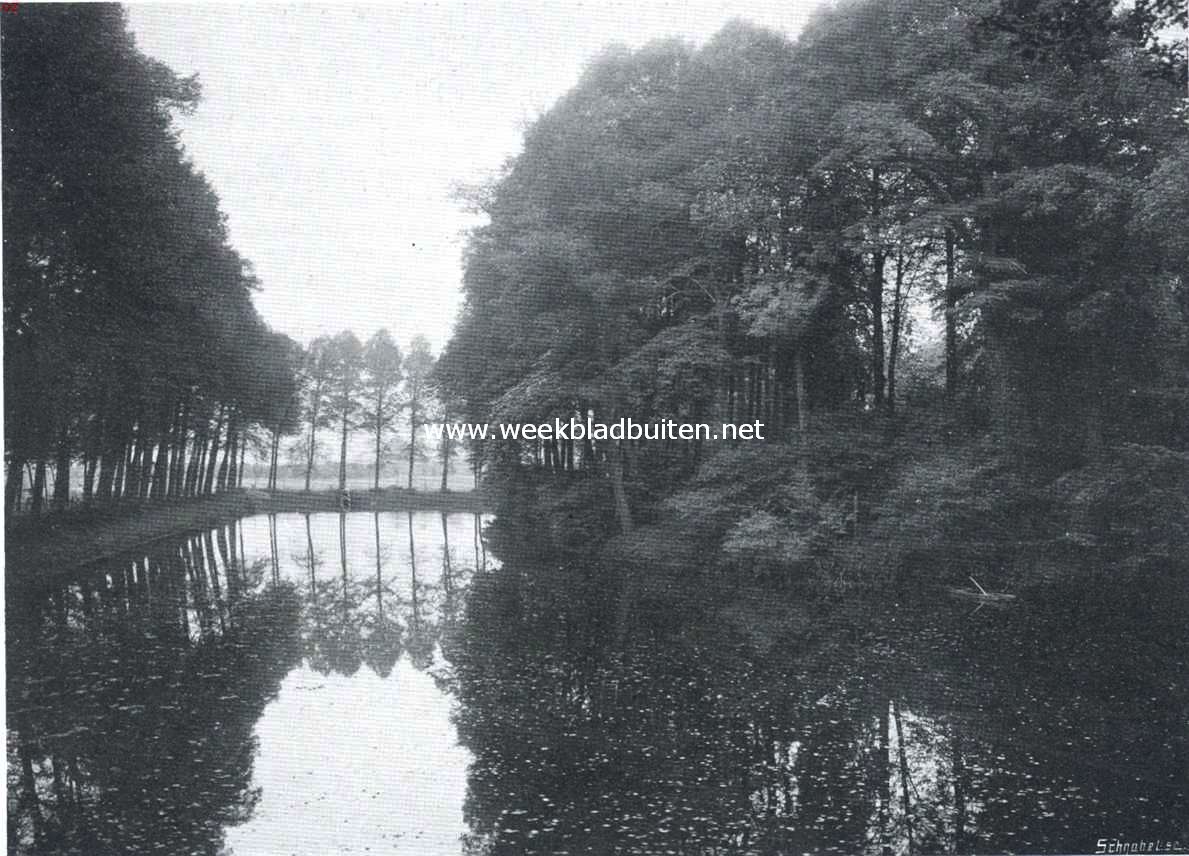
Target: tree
{"x": 447, "y": 443}
{"x": 746, "y": 231}
{"x": 131, "y": 342}
{"x": 381, "y": 380}
{"x": 279, "y": 395}
{"x": 419, "y": 369}
{"x": 317, "y": 378}
{"x": 346, "y": 369}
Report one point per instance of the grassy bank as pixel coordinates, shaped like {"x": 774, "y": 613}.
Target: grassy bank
{"x": 60, "y": 542}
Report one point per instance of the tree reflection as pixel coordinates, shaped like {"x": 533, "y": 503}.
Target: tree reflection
{"x": 132, "y": 701}
{"x": 344, "y": 642}
{"x": 878, "y": 728}
{"x": 382, "y": 649}
{"x": 133, "y": 692}
{"x": 421, "y": 631}
{"x": 883, "y": 731}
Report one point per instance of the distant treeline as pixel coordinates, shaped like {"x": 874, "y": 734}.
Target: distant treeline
{"x": 347, "y": 385}
{"x": 131, "y": 344}
{"x": 736, "y": 231}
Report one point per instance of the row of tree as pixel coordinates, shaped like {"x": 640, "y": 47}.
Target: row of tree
{"x": 347, "y": 385}
{"x": 90, "y": 779}
{"x": 131, "y": 344}
{"x": 738, "y": 231}
{"x": 132, "y": 348}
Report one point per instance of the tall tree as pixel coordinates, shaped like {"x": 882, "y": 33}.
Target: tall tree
{"x": 380, "y": 383}
{"x": 343, "y": 400}
{"x": 317, "y": 377}
{"x": 128, "y": 322}
{"x": 419, "y": 371}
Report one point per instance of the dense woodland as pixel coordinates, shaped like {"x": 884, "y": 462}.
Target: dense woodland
{"x": 135, "y": 364}
{"x": 762, "y": 229}
{"x": 937, "y": 250}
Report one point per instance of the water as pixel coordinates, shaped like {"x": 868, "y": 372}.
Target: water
{"x": 381, "y": 683}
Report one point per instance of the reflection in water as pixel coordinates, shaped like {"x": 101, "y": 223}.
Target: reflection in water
{"x": 133, "y": 695}
{"x": 183, "y": 700}
{"x": 344, "y": 682}
{"x": 883, "y": 728}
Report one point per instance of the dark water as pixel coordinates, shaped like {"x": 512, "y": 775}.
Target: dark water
{"x": 361, "y": 683}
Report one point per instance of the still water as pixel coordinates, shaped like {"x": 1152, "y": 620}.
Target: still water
{"x": 381, "y": 683}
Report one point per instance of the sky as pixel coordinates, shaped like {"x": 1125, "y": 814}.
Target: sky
{"x": 335, "y": 134}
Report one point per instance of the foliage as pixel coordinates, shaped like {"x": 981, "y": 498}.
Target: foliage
{"x": 130, "y": 339}
{"x": 738, "y": 232}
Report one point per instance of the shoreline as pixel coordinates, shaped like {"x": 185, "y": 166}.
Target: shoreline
{"x": 57, "y": 544}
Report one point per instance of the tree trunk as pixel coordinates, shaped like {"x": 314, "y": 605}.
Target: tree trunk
{"x": 117, "y": 485}
{"x": 13, "y": 484}
{"x": 236, "y": 442}
{"x": 89, "y": 466}
{"x": 343, "y": 455}
{"x": 180, "y": 441}
{"x": 446, "y": 459}
{"x": 412, "y": 445}
{"x": 885, "y": 783}
{"x": 243, "y": 454}
{"x": 62, "y": 480}
{"x": 379, "y": 573}
{"x": 144, "y": 465}
{"x": 447, "y": 571}
{"x": 311, "y": 558}
{"x": 343, "y": 561}
{"x": 958, "y": 766}
{"x": 38, "y": 487}
{"x": 107, "y": 475}
{"x": 379, "y": 443}
{"x": 779, "y": 379}
{"x": 272, "y": 458}
{"x": 904, "y": 777}
{"x": 212, "y": 461}
{"x": 951, "y": 318}
{"x": 29, "y": 799}
{"x": 169, "y": 428}
{"x": 226, "y": 466}
{"x": 273, "y": 548}
{"x": 878, "y": 260}
{"x": 132, "y": 476}
{"x": 413, "y": 574}
{"x": 897, "y": 316}
{"x": 91, "y": 449}
{"x": 177, "y": 460}
{"x": 312, "y": 448}
{"x": 623, "y": 512}
{"x": 160, "y": 464}
{"x": 753, "y": 406}
{"x": 799, "y": 379}
{"x": 197, "y": 457}
{"x": 877, "y": 329}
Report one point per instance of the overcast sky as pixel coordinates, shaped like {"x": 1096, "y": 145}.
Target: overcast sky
{"x": 334, "y": 134}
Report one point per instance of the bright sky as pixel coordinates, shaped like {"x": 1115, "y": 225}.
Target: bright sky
{"x": 334, "y": 134}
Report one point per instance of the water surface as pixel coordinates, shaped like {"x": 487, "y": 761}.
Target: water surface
{"x": 362, "y": 683}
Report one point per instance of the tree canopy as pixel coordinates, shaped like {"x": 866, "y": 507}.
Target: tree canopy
{"x": 131, "y": 343}
{"x": 758, "y": 229}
